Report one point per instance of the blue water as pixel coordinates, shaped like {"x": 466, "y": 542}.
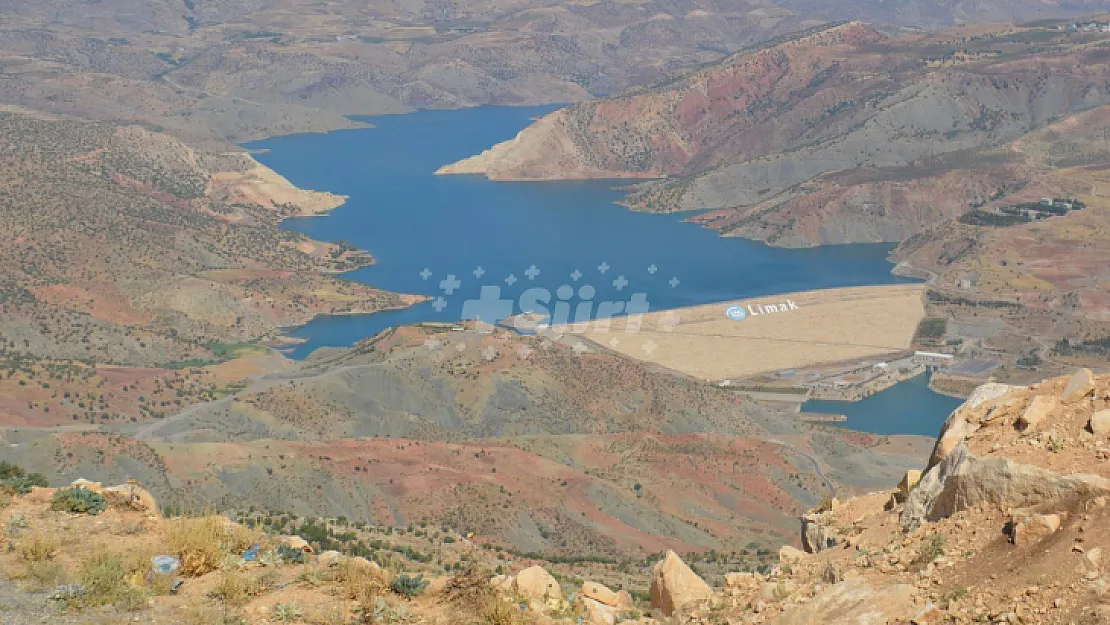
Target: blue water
{"x": 909, "y": 407}
{"x": 411, "y": 220}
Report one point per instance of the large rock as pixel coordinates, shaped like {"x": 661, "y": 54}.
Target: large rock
{"x": 1037, "y": 412}
{"x": 602, "y": 594}
{"x": 909, "y": 481}
{"x": 536, "y": 583}
{"x": 816, "y": 535}
{"x": 1080, "y": 385}
{"x": 966, "y": 419}
{"x": 963, "y": 481}
{"x": 132, "y": 496}
{"x": 1028, "y": 529}
{"x": 1100, "y": 422}
{"x": 598, "y": 613}
{"x": 674, "y": 585}
{"x": 854, "y": 601}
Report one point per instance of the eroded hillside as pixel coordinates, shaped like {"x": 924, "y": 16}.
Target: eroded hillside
{"x": 123, "y": 246}
{"x": 836, "y": 135}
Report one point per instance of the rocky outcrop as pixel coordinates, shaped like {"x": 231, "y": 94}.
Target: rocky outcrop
{"x": 816, "y": 534}
{"x": 674, "y": 585}
{"x": 962, "y": 481}
{"x": 963, "y": 472}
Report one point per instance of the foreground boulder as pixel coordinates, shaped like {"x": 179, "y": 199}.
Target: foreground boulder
{"x": 970, "y": 464}
{"x": 674, "y": 585}
{"x": 536, "y": 583}
{"x": 962, "y": 481}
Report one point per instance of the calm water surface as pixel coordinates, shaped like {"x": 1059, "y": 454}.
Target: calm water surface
{"x": 909, "y": 407}
{"x": 518, "y": 236}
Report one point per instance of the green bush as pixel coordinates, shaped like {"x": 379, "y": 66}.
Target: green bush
{"x": 79, "y": 500}
{"x": 14, "y": 479}
{"x": 290, "y": 555}
{"x": 408, "y": 587}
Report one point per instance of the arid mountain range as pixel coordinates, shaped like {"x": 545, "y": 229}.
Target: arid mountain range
{"x": 528, "y": 443}
{"x": 213, "y": 71}
{"x": 143, "y": 272}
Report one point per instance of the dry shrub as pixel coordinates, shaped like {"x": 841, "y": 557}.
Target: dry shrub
{"x": 198, "y": 542}
{"x": 37, "y": 547}
{"x": 45, "y": 575}
{"x": 198, "y": 613}
{"x": 201, "y": 543}
{"x": 104, "y": 577}
{"x": 240, "y": 538}
{"x": 471, "y": 592}
{"x": 360, "y": 580}
{"x": 236, "y": 589}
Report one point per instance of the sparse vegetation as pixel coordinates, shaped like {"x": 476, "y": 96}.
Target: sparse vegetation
{"x": 78, "y": 500}
{"x": 408, "y": 586}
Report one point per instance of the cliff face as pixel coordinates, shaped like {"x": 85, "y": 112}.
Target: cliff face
{"x": 838, "y": 135}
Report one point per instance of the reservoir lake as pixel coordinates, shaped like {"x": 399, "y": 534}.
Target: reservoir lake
{"x": 499, "y": 247}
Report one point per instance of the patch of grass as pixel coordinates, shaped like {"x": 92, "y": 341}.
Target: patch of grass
{"x": 287, "y": 612}
{"x": 45, "y": 574}
{"x": 236, "y": 589}
{"x": 932, "y": 547}
{"x": 78, "y": 500}
{"x": 15, "y": 524}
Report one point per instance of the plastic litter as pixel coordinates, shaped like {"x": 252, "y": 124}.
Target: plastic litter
{"x": 250, "y": 555}
{"x": 175, "y": 585}
{"x": 164, "y": 565}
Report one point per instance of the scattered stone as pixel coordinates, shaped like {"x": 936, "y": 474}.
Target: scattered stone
{"x": 1080, "y": 385}
{"x": 81, "y": 482}
{"x": 674, "y": 585}
{"x": 536, "y": 583}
